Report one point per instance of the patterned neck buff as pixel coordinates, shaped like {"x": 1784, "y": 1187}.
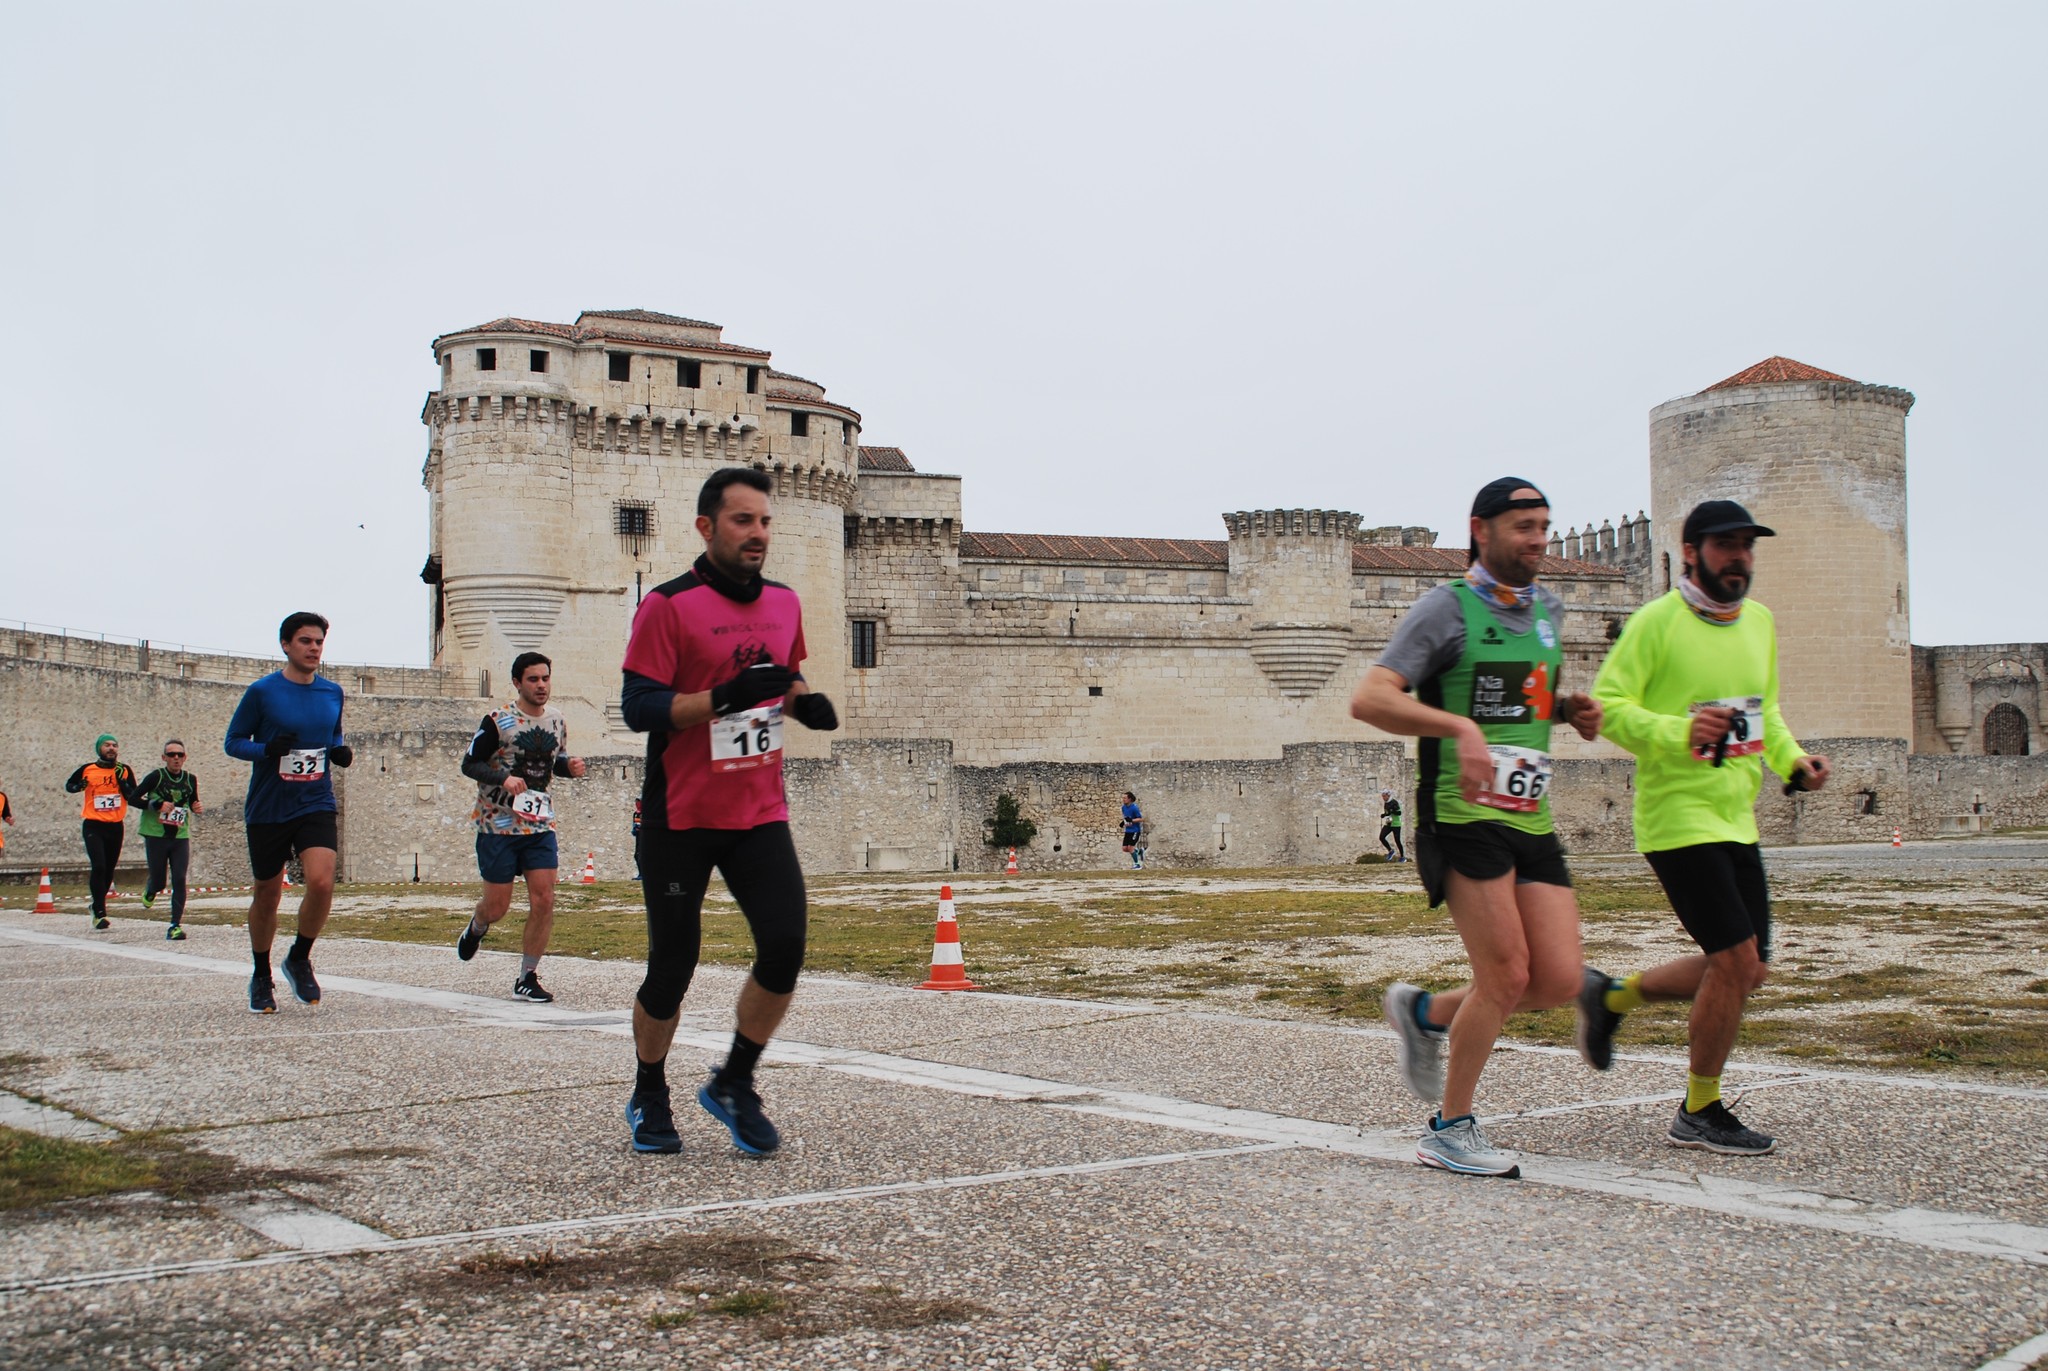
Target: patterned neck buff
{"x": 1707, "y": 607}
{"x": 1493, "y": 592}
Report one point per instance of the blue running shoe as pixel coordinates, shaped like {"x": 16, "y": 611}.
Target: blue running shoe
{"x": 734, "y": 1104}
{"x": 299, "y": 971}
{"x": 652, "y": 1122}
{"x": 262, "y": 1000}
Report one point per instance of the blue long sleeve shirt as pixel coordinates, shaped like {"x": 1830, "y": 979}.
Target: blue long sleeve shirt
{"x": 271, "y": 708}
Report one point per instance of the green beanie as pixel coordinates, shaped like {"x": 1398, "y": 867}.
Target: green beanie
{"x": 102, "y": 741}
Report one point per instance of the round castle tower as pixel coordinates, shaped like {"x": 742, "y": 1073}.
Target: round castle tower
{"x": 563, "y": 468}
{"x": 1294, "y": 565}
{"x": 1821, "y": 459}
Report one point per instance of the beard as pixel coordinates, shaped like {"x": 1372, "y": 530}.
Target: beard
{"x": 1720, "y": 590}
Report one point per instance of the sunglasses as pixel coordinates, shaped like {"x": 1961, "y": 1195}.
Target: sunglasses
{"x": 174, "y": 754}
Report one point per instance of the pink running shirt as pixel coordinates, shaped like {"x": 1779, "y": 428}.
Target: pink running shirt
{"x": 691, "y": 638}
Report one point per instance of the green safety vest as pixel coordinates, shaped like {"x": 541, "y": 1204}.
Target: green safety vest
{"x": 1506, "y": 683}
{"x": 180, "y": 792}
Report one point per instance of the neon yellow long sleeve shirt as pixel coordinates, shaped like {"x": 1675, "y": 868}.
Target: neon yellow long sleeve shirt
{"x": 1666, "y": 661}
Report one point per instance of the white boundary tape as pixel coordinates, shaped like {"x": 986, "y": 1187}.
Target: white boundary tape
{"x": 2027, "y": 1354}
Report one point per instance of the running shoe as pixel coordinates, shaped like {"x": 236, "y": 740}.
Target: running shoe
{"x": 1460, "y": 1146}
{"x": 1715, "y": 1129}
{"x": 1595, "y": 1034}
{"x": 262, "y": 1000}
{"x": 734, "y": 1104}
{"x": 175, "y": 933}
{"x": 1419, "y": 1050}
{"x": 299, "y": 971}
{"x": 149, "y": 901}
{"x": 101, "y": 923}
{"x": 528, "y": 987}
{"x": 652, "y": 1122}
{"x": 471, "y": 939}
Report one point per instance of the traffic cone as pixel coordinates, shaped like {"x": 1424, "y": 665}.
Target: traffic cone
{"x": 45, "y": 904}
{"x": 949, "y": 971}
{"x": 1010, "y": 866}
{"x": 1897, "y": 838}
{"x": 589, "y": 876}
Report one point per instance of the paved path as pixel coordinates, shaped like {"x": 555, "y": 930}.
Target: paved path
{"x": 437, "y": 1176}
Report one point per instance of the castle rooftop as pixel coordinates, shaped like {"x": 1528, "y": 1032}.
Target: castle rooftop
{"x": 885, "y": 459}
{"x": 1776, "y": 369}
{"x": 1199, "y": 553}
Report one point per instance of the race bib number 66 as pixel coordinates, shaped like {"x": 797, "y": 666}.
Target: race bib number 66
{"x": 1520, "y": 776}
{"x": 748, "y": 739}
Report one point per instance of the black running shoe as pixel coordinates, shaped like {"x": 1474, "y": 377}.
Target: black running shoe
{"x": 528, "y": 987}
{"x": 735, "y": 1105}
{"x": 471, "y": 939}
{"x": 299, "y": 971}
{"x": 101, "y": 923}
{"x": 1714, "y": 1129}
{"x": 652, "y": 1122}
{"x": 262, "y": 1000}
{"x": 175, "y": 933}
{"x": 1595, "y": 1035}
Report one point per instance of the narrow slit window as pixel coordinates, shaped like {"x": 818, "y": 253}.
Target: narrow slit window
{"x": 864, "y": 642}
{"x": 753, "y": 379}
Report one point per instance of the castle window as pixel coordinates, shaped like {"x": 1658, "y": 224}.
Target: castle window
{"x": 634, "y": 523}
{"x": 1095, "y": 690}
{"x": 799, "y": 424}
{"x": 753, "y": 379}
{"x": 846, "y": 430}
{"x": 537, "y": 360}
{"x": 621, "y": 364}
{"x": 689, "y": 374}
{"x": 486, "y": 359}
{"x": 863, "y": 642}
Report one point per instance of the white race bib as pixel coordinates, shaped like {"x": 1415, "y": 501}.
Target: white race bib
{"x": 1745, "y": 734}
{"x": 176, "y": 818}
{"x": 533, "y": 805}
{"x": 303, "y": 764}
{"x": 1520, "y": 776}
{"x": 105, "y": 804}
{"x": 750, "y": 738}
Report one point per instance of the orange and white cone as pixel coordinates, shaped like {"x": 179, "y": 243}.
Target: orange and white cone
{"x": 589, "y": 876}
{"x": 1898, "y": 839}
{"x": 45, "y": 903}
{"x": 1010, "y": 866}
{"x": 949, "y": 970}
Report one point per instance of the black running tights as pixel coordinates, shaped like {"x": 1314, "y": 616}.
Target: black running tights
{"x": 760, "y": 869}
{"x": 1390, "y": 848}
{"x": 102, "y": 850}
{"x": 173, "y": 853}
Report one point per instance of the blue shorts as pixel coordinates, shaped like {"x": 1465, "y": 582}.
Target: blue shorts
{"x": 502, "y": 857}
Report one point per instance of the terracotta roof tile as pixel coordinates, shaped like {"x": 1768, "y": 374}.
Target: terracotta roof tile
{"x": 648, "y": 316}
{"x": 573, "y": 334}
{"x": 1063, "y": 547}
{"x": 1776, "y": 369}
{"x": 1450, "y": 561}
{"x": 884, "y": 459}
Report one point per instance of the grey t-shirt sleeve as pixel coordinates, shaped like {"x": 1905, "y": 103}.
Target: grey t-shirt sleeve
{"x": 1429, "y": 639}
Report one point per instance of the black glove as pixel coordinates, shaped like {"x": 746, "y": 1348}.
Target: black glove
{"x": 342, "y": 756}
{"x": 761, "y": 681}
{"x": 813, "y": 710}
{"x": 281, "y": 744}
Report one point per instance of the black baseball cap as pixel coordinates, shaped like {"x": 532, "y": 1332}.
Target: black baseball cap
{"x": 1498, "y": 497}
{"x": 1721, "y": 516}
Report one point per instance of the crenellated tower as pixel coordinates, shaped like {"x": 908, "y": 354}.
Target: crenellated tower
{"x": 1294, "y": 565}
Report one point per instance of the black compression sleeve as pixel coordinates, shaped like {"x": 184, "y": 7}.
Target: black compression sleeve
{"x": 645, "y": 702}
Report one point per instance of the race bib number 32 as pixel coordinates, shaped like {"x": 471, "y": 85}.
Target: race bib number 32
{"x": 303, "y": 764}
{"x": 743, "y": 741}
{"x": 1520, "y": 776}
{"x": 1745, "y": 734}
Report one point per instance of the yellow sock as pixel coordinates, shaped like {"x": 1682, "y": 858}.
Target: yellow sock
{"x": 1628, "y": 995}
{"x": 1700, "y": 1091}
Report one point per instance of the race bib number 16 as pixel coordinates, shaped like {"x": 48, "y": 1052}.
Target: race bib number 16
{"x": 743, "y": 741}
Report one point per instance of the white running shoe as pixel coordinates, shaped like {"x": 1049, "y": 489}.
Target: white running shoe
{"x": 1460, "y": 1146}
{"x": 1419, "y": 1050}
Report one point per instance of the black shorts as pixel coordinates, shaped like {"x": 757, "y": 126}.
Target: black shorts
{"x": 272, "y": 845}
{"x": 1484, "y": 851}
{"x": 1718, "y": 892}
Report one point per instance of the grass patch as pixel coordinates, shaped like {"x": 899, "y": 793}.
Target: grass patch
{"x": 746, "y": 1304}
{"x": 35, "y": 1170}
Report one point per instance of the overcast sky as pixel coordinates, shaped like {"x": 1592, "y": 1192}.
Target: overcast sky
{"x": 1122, "y": 267}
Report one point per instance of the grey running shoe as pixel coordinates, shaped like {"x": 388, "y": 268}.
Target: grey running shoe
{"x": 1714, "y": 1129}
{"x": 1460, "y": 1146}
{"x": 1420, "y": 1051}
{"x": 472, "y": 938}
{"x": 1595, "y": 1034}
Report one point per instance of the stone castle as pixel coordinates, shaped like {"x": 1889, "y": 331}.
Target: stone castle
{"x": 1209, "y": 675}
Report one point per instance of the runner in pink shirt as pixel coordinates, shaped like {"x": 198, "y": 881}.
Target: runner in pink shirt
{"x": 711, "y": 673}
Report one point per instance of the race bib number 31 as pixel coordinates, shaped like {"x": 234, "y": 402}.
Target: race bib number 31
{"x": 303, "y": 764}
{"x": 533, "y": 805}
{"x": 176, "y": 818}
{"x": 1520, "y": 776}
{"x": 743, "y": 741}
{"x": 1745, "y": 734}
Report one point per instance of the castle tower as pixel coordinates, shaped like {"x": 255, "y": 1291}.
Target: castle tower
{"x": 1294, "y": 565}
{"x": 1821, "y": 459}
{"x": 562, "y": 470}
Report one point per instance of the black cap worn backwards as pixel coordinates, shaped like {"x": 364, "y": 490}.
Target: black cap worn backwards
{"x": 1498, "y": 497}
{"x": 1721, "y": 516}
